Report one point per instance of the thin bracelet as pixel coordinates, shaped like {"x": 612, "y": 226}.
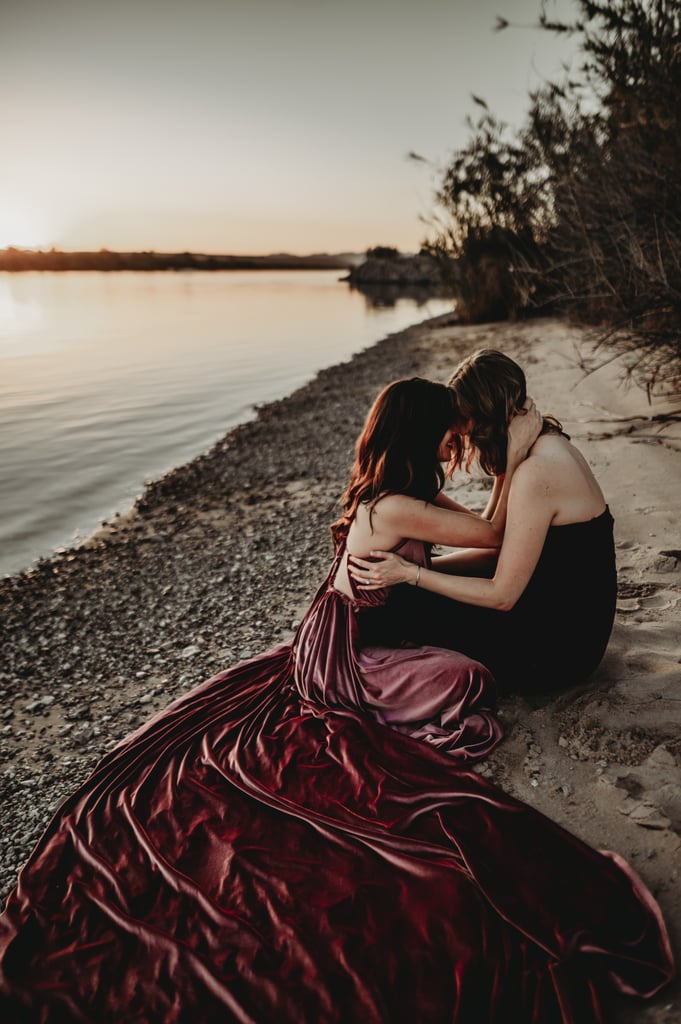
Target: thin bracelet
{"x": 418, "y": 576}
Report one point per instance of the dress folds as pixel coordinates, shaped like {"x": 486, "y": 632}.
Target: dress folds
{"x": 267, "y": 849}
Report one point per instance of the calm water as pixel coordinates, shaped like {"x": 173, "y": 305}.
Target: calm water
{"x": 107, "y": 380}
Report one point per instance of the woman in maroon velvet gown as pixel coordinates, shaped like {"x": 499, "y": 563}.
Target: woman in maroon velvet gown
{"x": 267, "y": 849}
{"x": 538, "y": 613}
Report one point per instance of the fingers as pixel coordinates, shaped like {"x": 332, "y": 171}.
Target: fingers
{"x": 370, "y": 561}
{"x": 530, "y": 406}
{"x": 365, "y": 573}
{"x": 365, "y": 580}
{"x": 362, "y": 563}
{"x": 360, "y": 572}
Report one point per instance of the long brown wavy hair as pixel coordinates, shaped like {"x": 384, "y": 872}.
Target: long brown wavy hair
{"x": 396, "y": 453}
{"x": 490, "y": 388}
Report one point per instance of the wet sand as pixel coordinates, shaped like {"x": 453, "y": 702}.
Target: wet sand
{"x": 219, "y": 558}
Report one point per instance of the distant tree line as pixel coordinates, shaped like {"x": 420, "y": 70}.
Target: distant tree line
{"x": 580, "y": 210}
{"x": 16, "y": 260}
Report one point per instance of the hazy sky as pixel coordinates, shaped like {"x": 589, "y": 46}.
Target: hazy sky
{"x": 247, "y": 125}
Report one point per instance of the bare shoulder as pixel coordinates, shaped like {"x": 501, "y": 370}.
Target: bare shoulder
{"x": 386, "y": 511}
{"x": 551, "y": 451}
{"x": 386, "y": 522}
{"x": 544, "y": 467}
{"x": 557, "y": 474}
{"x": 395, "y": 506}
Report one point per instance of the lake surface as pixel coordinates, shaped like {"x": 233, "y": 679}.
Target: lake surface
{"x": 108, "y": 380}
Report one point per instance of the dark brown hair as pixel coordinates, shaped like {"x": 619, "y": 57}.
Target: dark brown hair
{"x": 490, "y": 389}
{"x": 396, "y": 453}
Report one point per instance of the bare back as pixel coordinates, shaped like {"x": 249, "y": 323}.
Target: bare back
{"x": 366, "y": 532}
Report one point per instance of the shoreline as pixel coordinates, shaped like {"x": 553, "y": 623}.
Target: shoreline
{"x": 219, "y": 558}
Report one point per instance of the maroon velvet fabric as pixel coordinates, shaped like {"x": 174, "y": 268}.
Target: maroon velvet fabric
{"x": 267, "y": 850}
{"x": 433, "y": 694}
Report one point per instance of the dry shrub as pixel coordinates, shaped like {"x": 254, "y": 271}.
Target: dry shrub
{"x": 580, "y": 211}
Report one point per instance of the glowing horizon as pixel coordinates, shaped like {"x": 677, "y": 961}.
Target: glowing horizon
{"x": 29, "y": 235}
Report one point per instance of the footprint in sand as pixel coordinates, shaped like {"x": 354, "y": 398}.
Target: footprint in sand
{"x": 651, "y": 792}
{"x": 645, "y": 596}
{"x": 650, "y": 664}
{"x": 662, "y": 601}
{"x": 644, "y": 588}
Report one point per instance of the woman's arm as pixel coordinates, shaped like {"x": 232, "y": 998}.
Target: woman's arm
{"x": 467, "y": 562}
{"x": 402, "y": 516}
{"x": 399, "y": 516}
{"x": 530, "y": 513}
{"x": 494, "y": 496}
{"x": 444, "y": 501}
{"x": 523, "y": 430}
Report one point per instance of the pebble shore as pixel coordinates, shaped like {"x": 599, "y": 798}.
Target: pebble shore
{"x": 216, "y": 562}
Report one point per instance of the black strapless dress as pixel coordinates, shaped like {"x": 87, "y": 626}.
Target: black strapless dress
{"x": 556, "y": 634}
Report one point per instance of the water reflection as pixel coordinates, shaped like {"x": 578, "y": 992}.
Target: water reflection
{"x": 107, "y": 380}
{"x": 386, "y": 296}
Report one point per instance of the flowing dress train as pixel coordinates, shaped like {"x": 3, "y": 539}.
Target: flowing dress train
{"x": 268, "y": 849}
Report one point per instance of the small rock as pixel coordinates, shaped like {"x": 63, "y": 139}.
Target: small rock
{"x": 665, "y": 563}
{"x": 661, "y": 758}
{"x": 650, "y": 817}
{"x": 644, "y": 814}
{"x": 189, "y": 652}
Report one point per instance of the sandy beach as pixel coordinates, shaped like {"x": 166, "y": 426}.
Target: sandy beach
{"x": 220, "y": 557}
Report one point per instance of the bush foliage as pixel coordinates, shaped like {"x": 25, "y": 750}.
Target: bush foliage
{"x": 580, "y": 210}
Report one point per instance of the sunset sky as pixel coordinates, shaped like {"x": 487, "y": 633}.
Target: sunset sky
{"x": 247, "y": 126}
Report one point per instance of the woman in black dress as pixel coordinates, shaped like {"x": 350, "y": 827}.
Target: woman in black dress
{"x": 538, "y": 613}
